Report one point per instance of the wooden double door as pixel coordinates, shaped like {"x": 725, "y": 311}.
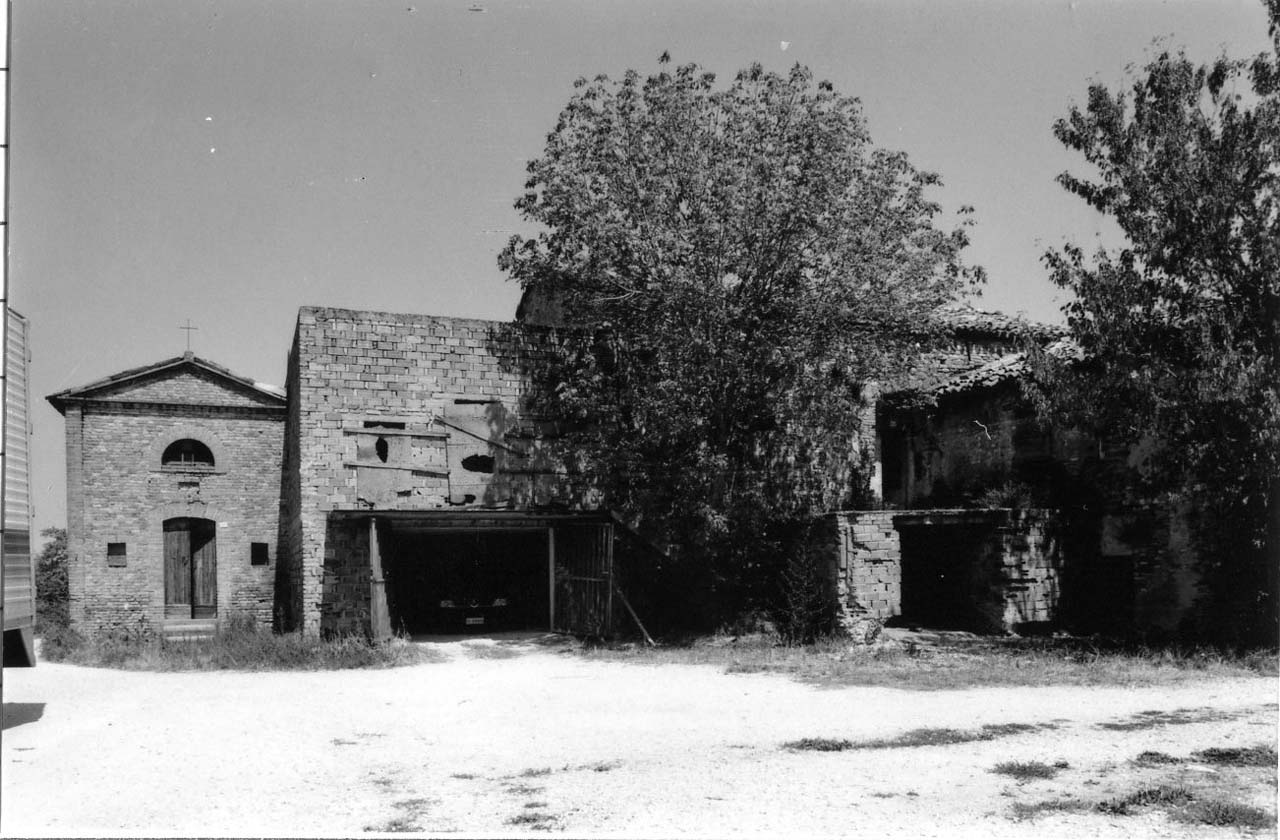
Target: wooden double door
{"x": 190, "y": 568}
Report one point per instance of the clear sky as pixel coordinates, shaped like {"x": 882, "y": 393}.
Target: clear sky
{"x": 229, "y": 161}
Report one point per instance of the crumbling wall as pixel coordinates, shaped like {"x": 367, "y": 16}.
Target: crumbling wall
{"x": 861, "y": 555}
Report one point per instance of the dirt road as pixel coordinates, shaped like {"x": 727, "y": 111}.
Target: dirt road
{"x": 512, "y": 740}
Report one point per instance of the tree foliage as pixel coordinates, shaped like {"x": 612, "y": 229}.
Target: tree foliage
{"x": 51, "y": 580}
{"x": 725, "y": 255}
{"x": 1180, "y": 329}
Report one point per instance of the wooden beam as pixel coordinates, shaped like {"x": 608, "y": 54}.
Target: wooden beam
{"x": 551, "y": 579}
{"x": 609, "y": 587}
{"x": 379, "y": 616}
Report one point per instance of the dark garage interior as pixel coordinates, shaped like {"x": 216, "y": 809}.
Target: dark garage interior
{"x": 943, "y": 578}
{"x": 466, "y": 581}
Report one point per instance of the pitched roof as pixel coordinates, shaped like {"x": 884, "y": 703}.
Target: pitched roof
{"x": 1003, "y": 369}
{"x": 270, "y": 393}
{"x": 962, "y": 318}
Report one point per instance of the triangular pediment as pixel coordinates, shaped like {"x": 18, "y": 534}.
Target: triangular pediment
{"x": 186, "y": 380}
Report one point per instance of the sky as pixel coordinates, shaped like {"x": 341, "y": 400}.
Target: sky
{"x": 228, "y": 161}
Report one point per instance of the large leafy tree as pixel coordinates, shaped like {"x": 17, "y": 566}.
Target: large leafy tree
{"x": 736, "y": 263}
{"x": 1180, "y": 329}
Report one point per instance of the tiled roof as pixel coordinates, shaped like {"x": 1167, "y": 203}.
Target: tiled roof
{"x": 963, "y": 318}
{"x": 1003, "y": 369}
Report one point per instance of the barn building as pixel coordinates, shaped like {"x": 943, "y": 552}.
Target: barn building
{"x": 397, "y": 483}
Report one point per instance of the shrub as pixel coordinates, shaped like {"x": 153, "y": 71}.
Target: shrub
{"x": 51, "y": 583}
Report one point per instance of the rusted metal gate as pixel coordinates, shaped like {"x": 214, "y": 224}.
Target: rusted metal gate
{"x": 582, "y": 570}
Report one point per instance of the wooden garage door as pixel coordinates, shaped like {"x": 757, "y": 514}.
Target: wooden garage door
{"x": 584, "y": 579}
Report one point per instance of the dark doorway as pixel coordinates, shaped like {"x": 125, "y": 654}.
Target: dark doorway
{"x": 1098, "y": 597}
{"x": 943, "y": 586}
{"x": 467, "y": 581}
{"x": 190, "y": 568}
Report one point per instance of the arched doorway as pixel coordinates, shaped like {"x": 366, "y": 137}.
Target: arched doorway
{"x": 190, "y": 568}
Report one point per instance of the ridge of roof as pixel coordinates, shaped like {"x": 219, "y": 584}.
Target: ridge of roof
{"x": 963, "y": 317}
{"x": 60, "y": 399}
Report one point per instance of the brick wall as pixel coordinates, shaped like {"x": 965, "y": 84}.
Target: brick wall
{"x": 350, "y": 368}
{"x": 862, "y": 556}
{"x": 118, "y": 492}
{"x": 1010, "y": 575}
{"x": 1006, "y": 564}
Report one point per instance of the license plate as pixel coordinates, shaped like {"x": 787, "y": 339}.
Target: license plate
{"x": 479, "y": 619}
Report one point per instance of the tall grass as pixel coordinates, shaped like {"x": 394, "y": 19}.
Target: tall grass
{"x": 238, "y": 645}
{"x": 990, "y": 662}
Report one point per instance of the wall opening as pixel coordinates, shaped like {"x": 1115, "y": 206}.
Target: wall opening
{"x": 466, "y": 581}
{"x": 948, "y": 581}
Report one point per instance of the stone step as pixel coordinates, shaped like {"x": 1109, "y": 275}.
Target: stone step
{"x": 189, "y": 629}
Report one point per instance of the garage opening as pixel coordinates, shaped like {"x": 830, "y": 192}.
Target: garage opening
{"x": 946, "y": 580}
{"x": 467, "y": 581}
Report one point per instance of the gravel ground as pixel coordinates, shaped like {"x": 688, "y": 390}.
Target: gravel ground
{"x": 511, "y": 739}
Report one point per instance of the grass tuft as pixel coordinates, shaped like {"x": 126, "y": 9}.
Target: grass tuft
{"x": 1029, "y": 811}
{"x": 1025, "y": 771}
{"x": 1261, "y": 756}
{"x": 1152, "y": 757}
{"x": 1162, "y": 795}
{"x": 820, "y": 744}
{"x": 1221, "y": 813}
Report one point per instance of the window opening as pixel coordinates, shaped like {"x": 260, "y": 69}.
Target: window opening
{"x": 258, "y": 555}
{"x": 117, "y": 554}
{"x": 381, "y": 448}
{"x": 383, "y": 424}
{"x": 187, "y": 453}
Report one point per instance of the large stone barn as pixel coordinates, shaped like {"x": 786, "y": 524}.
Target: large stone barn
{"x": 397, "y": 483}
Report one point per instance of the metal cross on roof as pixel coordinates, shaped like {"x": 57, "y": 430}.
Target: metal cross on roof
{"x": 188, "y": 328}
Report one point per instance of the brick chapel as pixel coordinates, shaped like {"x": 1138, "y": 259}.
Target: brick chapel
{"x": 396, "y": 485}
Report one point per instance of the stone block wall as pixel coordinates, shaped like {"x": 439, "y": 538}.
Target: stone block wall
{"x": 349, "y": 369}
{"x": 118, "y": 492}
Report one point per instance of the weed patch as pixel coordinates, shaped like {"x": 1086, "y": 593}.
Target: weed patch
{"x": 1025, "y": 771}
{"x": 1029, "y": 811}
{"x": 1162, "y": 795}
{"x": 537, "y": 820}
{"x": 535, "y": 771}
{"x": 1152, "y": 757}
{"x": 1222, "y": 813}
{"x": 1187, "y": 806}
{"x": 1261, "y": 756}
{"x": 524, "y": 790}
{"x": 958, "y": 663}
{"x": 820, "y": 744}
{"x": 1153, "y": 719}
{"x": 238, "y": 645}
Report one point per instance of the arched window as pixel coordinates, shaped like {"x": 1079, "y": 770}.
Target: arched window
{"x": 187, "y": 452}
